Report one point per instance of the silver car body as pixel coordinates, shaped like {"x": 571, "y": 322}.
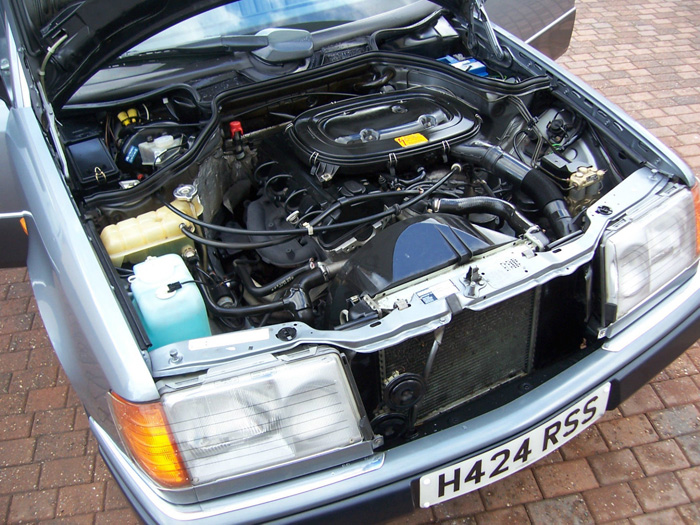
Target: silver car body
{"x": 99, "y": 353}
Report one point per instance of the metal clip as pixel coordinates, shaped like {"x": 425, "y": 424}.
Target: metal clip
{"x": 99, "y": 173}
{"x": 536, "y": 237}
{"x": 372, "y": 304}
{"x": 293, "y": 217}
{"x": 445, "y": 151}
{"x": 391, "y": 164}
{"x": 401, "y": 304}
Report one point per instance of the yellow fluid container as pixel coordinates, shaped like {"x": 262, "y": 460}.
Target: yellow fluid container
{"x": 150, "y": 234}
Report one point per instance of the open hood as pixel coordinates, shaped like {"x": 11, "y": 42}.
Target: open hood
{"x": 70, "y": 41}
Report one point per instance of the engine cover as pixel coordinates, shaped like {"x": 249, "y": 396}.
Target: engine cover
{"x": 377, "y": 131}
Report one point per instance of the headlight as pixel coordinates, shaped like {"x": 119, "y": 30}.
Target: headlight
{"x": 646, "y": 250}
{"x": 263, "y": 413}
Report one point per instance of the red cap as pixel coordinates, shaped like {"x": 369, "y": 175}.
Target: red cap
{"x": 235, "y": 126}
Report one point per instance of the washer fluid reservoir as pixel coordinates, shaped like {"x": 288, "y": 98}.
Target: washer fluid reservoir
{"x": 168, "y": 301}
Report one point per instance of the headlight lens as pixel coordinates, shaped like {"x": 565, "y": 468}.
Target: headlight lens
{"x": 262, "y": 417}
{"x": 646, "y": 252}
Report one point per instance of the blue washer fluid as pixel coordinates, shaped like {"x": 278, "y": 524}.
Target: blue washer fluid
{"x": 168, "y": 301}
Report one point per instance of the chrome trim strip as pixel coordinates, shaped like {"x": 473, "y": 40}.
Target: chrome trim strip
{"x": 15, "y": 215}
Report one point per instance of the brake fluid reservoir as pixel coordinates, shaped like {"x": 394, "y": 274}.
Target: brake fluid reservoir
{"x": 149, "y": 234}
{"x": 159, "y": 150}
{"x": 168, "y": 301}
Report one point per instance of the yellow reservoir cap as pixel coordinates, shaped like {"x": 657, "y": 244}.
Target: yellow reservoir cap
{"x": 128, "y": 117}
{"x": 150, "y": 234}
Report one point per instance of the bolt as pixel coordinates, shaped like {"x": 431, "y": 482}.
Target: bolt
{"x": 189, "y": 253}
{"x": 175, "y": 356}
{"x": 604, "y": 210}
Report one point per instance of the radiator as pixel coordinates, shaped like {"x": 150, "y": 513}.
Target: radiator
{"x": 479, "y": 351}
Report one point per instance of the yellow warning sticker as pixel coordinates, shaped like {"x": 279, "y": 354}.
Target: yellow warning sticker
{"x": 411, "y": 140}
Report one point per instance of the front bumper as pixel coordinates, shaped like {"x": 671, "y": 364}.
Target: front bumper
{"x": 379, "y": 487}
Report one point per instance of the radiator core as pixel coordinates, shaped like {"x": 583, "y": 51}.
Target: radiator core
{"x": 479, "y": 350}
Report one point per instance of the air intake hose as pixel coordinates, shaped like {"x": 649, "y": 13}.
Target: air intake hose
{"x": 531, "y": 181}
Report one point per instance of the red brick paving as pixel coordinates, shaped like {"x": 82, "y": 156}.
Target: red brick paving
{"x": 612, "y": 502}
{"x": 640, "y": 464}
{"x": 615, "y": 467}
{"x": 49, "y": 466}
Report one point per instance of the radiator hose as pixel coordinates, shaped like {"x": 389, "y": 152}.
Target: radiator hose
{"x": 300, "y": 291}
{"x": 503, "y": 209}
{"x": 531, "y": 181}
{"x": 269, "y": 288}
{"x": 296, "y": 300}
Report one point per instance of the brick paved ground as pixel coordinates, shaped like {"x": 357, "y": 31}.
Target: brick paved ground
{"x": 49, "y": 465}
{"x": 641, "y": 464}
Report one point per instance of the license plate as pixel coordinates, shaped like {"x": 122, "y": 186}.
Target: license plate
{"x": 499, "y": 462}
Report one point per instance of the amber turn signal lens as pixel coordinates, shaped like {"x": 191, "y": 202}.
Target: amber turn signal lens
{"x": 696, "y": 204}
{"x": 145, "y": 431}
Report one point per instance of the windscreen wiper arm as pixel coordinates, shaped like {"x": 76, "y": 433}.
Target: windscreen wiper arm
{"x": 276, "y": 45}
{"x": 230, "y": 43}
{"x": 225, "y": 45}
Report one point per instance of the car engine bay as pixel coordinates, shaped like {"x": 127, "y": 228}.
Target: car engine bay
{"x": 341, "y": 206}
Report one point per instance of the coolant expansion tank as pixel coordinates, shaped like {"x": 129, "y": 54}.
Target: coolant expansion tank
{"x": 150, "y": 234}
